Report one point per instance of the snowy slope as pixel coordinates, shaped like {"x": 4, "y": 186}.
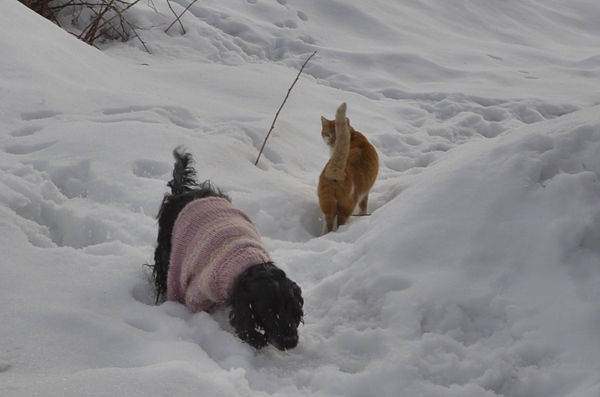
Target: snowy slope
{"x": 477, "y": 274}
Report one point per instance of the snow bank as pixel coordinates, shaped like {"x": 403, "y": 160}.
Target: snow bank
{"x": 477, "y": 273}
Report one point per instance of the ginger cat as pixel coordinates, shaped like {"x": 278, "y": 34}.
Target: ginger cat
{"x": 350, "y": 172}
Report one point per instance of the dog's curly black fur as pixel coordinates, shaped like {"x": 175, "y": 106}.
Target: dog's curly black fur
{"x": 266, "y": 306}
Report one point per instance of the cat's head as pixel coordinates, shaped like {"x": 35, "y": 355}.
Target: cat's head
{"x": 328, "y": 131}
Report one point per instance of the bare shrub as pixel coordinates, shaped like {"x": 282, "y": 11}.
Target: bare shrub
{"x": 92, "y": 21}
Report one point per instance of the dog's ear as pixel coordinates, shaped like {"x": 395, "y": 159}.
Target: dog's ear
{"x": 242, "y": 321}
{"x": 242, "y": 318}
{"x": 297, "y": 293}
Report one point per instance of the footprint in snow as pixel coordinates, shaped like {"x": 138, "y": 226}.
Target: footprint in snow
{"x": 302, "y": 16}
{"x": 27, "y": 131}
{"x": 495, "y": 57}
{"x": 527, "y": 76}
{"x": 287, "y": 24}
{"x": 28, "y": 148}
{"x": 39, "y": 114}
{"x": 150, "y": 168}
{"x": 176, "y": 115}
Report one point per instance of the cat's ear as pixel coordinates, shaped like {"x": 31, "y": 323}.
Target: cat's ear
{"x": 324, "y": 121}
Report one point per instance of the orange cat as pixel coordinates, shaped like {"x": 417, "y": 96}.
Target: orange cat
{"x": 350, "y": 172}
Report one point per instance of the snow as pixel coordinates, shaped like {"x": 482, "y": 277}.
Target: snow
{"x": 477, "y": 274}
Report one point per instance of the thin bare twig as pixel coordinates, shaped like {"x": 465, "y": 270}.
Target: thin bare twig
{"x": 281, "y": 107}
{"x": 139, "y": 38}
{"x": 88, "y": 34}
{"x": 151, "y": 5}
{"x": 178, "y": 17}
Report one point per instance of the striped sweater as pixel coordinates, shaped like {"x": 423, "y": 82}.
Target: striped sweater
{"x": 212, "y": 244}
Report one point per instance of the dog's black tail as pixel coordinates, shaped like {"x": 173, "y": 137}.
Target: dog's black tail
{"x": 184, "y": 174}
{"x": 184, "y": 181}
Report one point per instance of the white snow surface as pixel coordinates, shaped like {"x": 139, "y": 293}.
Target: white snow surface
{"x": 477, "y": 274}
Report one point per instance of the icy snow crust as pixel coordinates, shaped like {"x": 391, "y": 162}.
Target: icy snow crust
{"x": 478, "y": 273}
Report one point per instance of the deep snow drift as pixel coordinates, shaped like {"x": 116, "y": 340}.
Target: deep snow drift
{"x": 477, "y": 274}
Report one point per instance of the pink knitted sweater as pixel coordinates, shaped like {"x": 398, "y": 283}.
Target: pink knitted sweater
{"x": 212, "y": 244}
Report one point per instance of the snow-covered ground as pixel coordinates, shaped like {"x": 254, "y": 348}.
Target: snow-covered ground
{"x": 477, "y": 274}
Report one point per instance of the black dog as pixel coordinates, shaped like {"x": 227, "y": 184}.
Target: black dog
{"x": 266, "y": 306}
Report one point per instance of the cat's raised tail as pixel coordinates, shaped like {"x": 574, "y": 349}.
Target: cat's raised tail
{"x": 337, "y": 163}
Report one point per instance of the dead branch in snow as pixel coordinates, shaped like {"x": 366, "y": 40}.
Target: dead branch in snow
{"x": 281, "y": 107}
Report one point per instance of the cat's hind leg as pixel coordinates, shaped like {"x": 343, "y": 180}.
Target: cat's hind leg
{"x": 345, "y": 207}
{"x": 334, "y": 226}
{"x": 329, "y": 208}
{"x": 343, "y": 216}
{"x": 362, "y": 204}
{"x": 330, "y": 224}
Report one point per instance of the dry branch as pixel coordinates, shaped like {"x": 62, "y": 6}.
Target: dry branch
{"x": 281, "y": 107}
{"x": 108, "y": 22}
{"x": 178, "y": 18}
